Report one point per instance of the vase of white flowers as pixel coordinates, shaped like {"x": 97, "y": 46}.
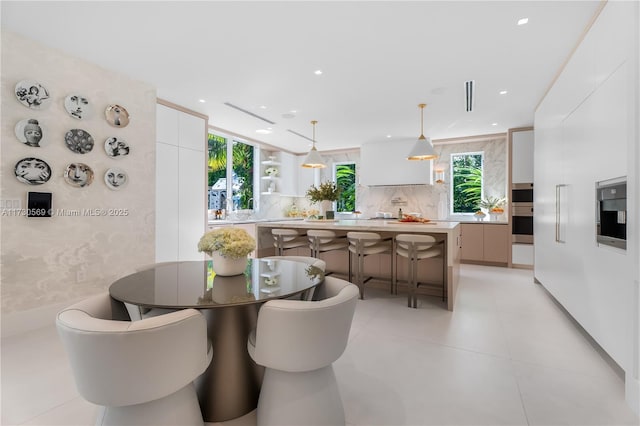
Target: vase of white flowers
{"x": 228, "y": 248}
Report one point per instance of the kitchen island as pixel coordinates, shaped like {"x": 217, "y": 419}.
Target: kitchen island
{"x": 448, "y": 233}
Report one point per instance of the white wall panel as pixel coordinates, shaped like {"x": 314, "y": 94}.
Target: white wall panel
{"x": 166, "y": 202}
{"x": 191, "y": 203}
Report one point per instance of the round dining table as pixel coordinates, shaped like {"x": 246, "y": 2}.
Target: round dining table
{"x": 230, "y": 386}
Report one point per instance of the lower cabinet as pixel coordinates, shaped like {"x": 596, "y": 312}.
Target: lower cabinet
{"x": 485, "y": 243}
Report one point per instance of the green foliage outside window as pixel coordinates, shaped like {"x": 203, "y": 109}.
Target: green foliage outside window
{"x": 346, "y": 180}
{"x": 466, "y": 171}
{"x": 243, "y": 171}
{"x": 242, "y": 166}
{"x": 217, "y": 158}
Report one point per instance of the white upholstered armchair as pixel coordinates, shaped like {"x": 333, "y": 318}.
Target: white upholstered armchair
{"x": 140, "y": 372}
{"x": 297, "y": 342}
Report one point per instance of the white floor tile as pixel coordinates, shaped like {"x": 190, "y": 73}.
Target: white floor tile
{"x": 507, "y": 355}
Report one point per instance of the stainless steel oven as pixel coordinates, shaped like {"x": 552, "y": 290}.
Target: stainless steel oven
{"x": 611, "y": 213}
{"x": 522, "y": 213}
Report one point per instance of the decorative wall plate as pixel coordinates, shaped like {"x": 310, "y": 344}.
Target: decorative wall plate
{"x": 117, "y": 116}
{"x": 116, "y": 178}
{"x": 78, "y": 174}
{"x": 77, "y": 106}
{"x": 29, "y": 132}
{"x": 116, "y": 147}
{"x": 79, "y": 141}
{"x": 31, "y": 94}
{"x": 32, "y": 171}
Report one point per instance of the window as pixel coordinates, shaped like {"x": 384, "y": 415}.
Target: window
{"x": 345, "y": 176}
{"x": 466, "y": 182}
{"x": 230, "y": 162}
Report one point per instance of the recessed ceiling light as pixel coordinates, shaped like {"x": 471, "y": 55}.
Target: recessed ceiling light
{"x": 388, "y": 136}
{"x": 262, "y": 107}
{"x": 494, "y": 124}
{"x": 317, "y": 72}
{"x": 503, "y": 92}
{"x": 293, "y": 111}
{"x": 202, "y": 101}
{"x": 523, "y": 21}
{"x": 263, "y": 131}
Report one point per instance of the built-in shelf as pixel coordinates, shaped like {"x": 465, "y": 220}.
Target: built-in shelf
{"x": 270, "y": 163}
{"x": 269, "y": 177}
{"x": 270, "y": 193}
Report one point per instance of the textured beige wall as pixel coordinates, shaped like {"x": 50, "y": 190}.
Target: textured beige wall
{"x": 48, "y": 261}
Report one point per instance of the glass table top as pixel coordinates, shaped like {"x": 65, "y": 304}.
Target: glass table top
{"x": 195, "y": 285}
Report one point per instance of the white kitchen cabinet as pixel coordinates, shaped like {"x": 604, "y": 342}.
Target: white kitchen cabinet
{"x": 584, "y": 134}
{"x": 385, "y": 163}
{"x": 522, "y": 156}
{"x": 180, "y": 184}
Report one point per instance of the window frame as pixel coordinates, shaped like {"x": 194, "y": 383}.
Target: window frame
{"x": 452, "y": 180}
{"x": 230, "y": 140}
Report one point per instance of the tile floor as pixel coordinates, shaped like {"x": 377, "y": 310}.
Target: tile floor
{"x": 507, "y": 355}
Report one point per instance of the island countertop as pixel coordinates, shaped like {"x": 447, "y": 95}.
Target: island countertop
{"x": 391, "y": 225}
{"x": 446, "y": 232}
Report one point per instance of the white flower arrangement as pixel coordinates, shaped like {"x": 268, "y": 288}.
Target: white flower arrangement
{"x": 229, "y": 242}
{"x": 271, "y": 171}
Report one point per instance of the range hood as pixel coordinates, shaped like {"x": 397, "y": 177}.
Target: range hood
{"x": 385, "y": 163}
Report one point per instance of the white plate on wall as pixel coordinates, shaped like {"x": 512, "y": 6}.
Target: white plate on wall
{"x": 31, "y": 94}
{"x": 32, "y": 171}
{"x": 78, "y": 175}
{"x": 77, "y": 106}
{"x": 116, "y": 147}
{"x": 30, "y": 132}
{"x": 116, "y": 178}
{"x": 78, "y": 140}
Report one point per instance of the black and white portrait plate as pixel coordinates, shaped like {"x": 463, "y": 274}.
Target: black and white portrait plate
{"x": 116, "y": 147}
{"x": 29, "y": 131}
{"x": 77, "y": 106}
{"x": 116, "y": 178}
{"x": 78, "y": 174}
{"x": 117, "y": 115}
{"x": 32, "y": 171}
{"x": 32, "y": 94}
{"x": 78, "y": 140}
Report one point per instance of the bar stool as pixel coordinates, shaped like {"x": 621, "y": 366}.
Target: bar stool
{"x": 363, "y": 244}
{"x": 287, "y": 239}
{"x": 415, "y": 248}
{"x": 322, "y": 241}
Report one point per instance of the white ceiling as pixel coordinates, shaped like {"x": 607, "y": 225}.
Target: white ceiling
{"x": 380, "y": 59}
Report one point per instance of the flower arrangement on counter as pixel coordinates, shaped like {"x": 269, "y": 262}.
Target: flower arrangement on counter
{"x": 327, "y": 191}
{"x": 492, "y": 204}
{"x": 229, "y": 242}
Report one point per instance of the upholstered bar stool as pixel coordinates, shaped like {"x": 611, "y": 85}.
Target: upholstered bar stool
{"x": 287, "y": 239}
{"x": 415, "y": 248}
{"x": 322, "y": 241}
{"x": 363, "y": 244}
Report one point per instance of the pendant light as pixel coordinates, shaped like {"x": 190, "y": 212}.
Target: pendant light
{"x": 423, "y": 149}
{"x": 314, "y": 159}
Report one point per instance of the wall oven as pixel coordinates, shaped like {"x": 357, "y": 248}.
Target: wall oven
{"x": 611, "y": 213}
{"x": 522, "y": 213}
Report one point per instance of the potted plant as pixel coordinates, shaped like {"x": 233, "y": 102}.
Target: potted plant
{"x": 326, "y": 192}
{"x": 229, "y": 248}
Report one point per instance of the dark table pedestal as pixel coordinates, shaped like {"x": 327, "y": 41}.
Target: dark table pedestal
{"x": 230, "y": 387}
